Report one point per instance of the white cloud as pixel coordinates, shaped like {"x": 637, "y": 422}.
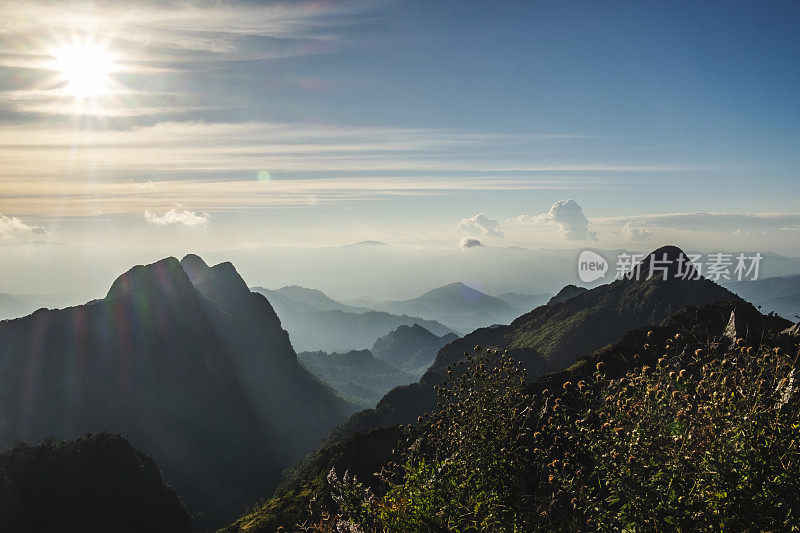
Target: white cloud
{"x": 467, "y": 242}
{"x": 480, "y": 224}
{"x": 738, "y": 232}
{"x": 633, "y": 233}
{"x": 174, "y": 216}
{"x": 568, "y": 216}
{"x": 13, "y": 229}
{"x": 143, "y": 185}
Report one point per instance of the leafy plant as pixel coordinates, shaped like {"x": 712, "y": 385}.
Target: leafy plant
{"x": 705, "y": 438}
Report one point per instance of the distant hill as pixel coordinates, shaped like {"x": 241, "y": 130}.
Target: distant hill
{"x": 183, "y": 360}
{"x": 13, "y": 307}
{"x": 411, "y": 347}
{"x": 778, "y": 294}
{"x": 308, "y": 299}
{"x": 316, "y": 322}
{"x": 364, "y": 376}
{"x": 457, "y": 305}
{"x": 93, "y": 484}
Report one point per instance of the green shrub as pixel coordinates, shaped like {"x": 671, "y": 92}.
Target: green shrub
{"x": 463, "y": 470}
{"x": 705, "y": 439}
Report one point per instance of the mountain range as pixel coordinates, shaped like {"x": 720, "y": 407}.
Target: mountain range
{"x": 552, "y": 337}
{"x": 198, "y": 371}
{"x": 549, "y": 339}
{"x": 316, "y": 322}
{"x": 187, "y": 363}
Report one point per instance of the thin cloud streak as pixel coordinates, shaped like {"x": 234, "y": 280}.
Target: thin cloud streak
{"x": 80, "y": 198}
{"x": 173, "y": 148}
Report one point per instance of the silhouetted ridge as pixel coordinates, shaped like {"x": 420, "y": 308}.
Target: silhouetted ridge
{"x": 221, "y": 283}
{"x": 198, "y": 372}
{"x": 95, "y": 484}
{"x": 165, "y": 278}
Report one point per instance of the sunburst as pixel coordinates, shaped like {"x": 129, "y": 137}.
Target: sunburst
{"x": 85, "y": 68}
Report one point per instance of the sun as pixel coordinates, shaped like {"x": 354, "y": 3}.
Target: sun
{"x": 85, "y": 68}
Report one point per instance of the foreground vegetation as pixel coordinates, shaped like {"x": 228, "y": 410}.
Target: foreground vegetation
{"x": 692, "y": 436}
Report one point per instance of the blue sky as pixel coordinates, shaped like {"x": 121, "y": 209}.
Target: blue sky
{"x": 232, "y": 124}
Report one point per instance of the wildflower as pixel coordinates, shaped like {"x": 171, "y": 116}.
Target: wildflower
{"x": 600, "y": 366}
{"x": 567, "y": 385}
{"x": 698, "y": 352}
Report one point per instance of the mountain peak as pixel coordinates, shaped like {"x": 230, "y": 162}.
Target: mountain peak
{"x": 164, "y": 276}
{"x": 221, "y": 284}
{"x": 668, "y": 250}
{"x": 457, "y": 287}
{"x": 667, "y": 262}
{"x": 193, "y": 264}
{"x": 203, "y": 275}
{"x": 566, "y": 293}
